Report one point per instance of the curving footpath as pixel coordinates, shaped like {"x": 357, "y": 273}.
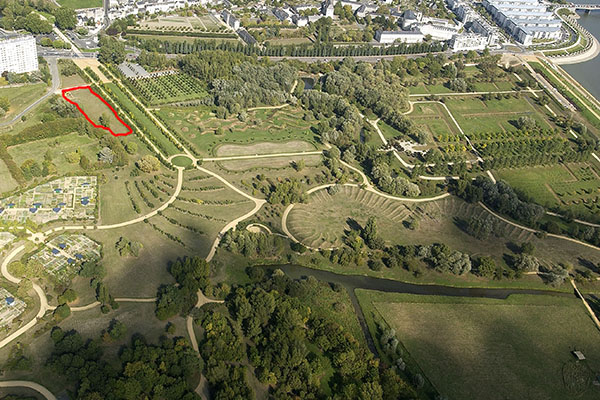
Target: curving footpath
{"x": 30, "y": 385}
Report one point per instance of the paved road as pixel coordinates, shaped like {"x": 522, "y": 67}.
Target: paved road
{"x": 31, "y": 385}
{"x": 52, "y": 63}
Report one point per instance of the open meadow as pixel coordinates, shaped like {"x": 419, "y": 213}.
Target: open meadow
{"x": 20, "y": 97}
{"x": 204, "y": 132}
{"x": 471, "y": 348}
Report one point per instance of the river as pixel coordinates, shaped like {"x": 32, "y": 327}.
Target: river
{"x": 586, "y": 73}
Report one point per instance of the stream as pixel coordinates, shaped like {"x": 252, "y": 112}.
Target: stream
{"x": 353, "y": 282}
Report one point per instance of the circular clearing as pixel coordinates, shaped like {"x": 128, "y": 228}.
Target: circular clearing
{"x": 324, "y": 219}
{"x": 182, "y": 161}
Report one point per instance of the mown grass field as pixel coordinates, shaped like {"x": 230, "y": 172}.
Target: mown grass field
{"x": 271, "y": 163}
{"x": 21, "y": 97}
{"x": 203, "y": 132}
{"x": 75, "y": 4}
{"x": 473, "y": 348}
{"x": 319, "y": 223}
{"x": 475, "y": 115}
{"x": 96, "y": 110}
{"x": 7, "y": 182}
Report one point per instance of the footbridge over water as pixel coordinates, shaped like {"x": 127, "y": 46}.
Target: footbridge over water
{"x": 584, "y": 7}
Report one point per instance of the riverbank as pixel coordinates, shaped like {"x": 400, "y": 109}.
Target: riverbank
{"x": 589, "y": 54}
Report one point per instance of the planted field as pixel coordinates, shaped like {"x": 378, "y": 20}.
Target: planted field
{"x": 168, "y": 88}
{"x": 58, "y": 148}
{"x": 154, "y": 133}
{"x": 20, "y": 97}
{"x": 473, "y": 348}
{"x": 204, "y": 133}
{"x": 321, "y": 222}
{"x": 574, "y": 185}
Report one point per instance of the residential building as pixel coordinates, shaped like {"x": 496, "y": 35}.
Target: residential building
{"x": 525, "y": 20}
{"x": 468, "y": 41}
{"x": 18, "y": 54}
{"x": 230, "y": 19}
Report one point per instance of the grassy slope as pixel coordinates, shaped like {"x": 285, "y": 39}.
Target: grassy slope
{"x": 20, "y": 97}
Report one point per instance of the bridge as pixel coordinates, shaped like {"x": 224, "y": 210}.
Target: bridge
{"x": 584, "y": 7}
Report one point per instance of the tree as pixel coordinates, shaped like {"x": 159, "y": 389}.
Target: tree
{"x": 131, "y": 147}
{"x": 112, "y": 51}
{"x": 116, "y": 331}
{"x": 64, "y": 18}
{"x": 61, "y": 312}
{"x": 4, "y": 103}
{"x": 148, "y": 164}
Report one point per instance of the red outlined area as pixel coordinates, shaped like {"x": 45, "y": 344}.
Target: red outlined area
{"x": 106, "y": 128}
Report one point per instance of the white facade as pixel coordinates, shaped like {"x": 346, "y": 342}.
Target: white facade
{"x": 18, "y": 55}
{"x": 525, "y": 20}
{"x": 388, "y": 37}
{"x": 468, "y": 41}
{"x": 438, "y": 32}
{"x": 230, "y": 20}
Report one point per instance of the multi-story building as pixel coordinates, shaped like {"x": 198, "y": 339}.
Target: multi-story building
{"x": 230, "y": 20}
{"x": 468, "y": 41}
{"x": 18, "y": 55}
{"x": 525, "y": 20}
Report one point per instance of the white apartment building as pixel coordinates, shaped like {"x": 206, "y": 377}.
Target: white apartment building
{"x": 18, "y": 55}
{"x": 468, "y": 41}
{"x": 525, "y": 20}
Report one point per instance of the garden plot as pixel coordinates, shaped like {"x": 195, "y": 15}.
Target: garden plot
{"x": 72, "y": 197}
{"x": 64, "y": 254}
{"x": 177, "y": 23}
{"x": 576, "y": 184}
{"x": 5, "y": 239}
{"x": 168, "y": 88}
{"x": 10, "y": 307}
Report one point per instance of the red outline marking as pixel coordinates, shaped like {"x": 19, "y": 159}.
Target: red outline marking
{"x": 64, "y": 91}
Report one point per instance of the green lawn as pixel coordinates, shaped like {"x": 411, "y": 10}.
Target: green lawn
{"x": 58, "y": 148}
{"x": 75, "y": 4}
{"x": 476, "y": 116}
{"x": 7, "y": 182}
{"x": 20, "y": 97}
{"x": 323, "y": 219}
{"x": 472, "y": 348}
